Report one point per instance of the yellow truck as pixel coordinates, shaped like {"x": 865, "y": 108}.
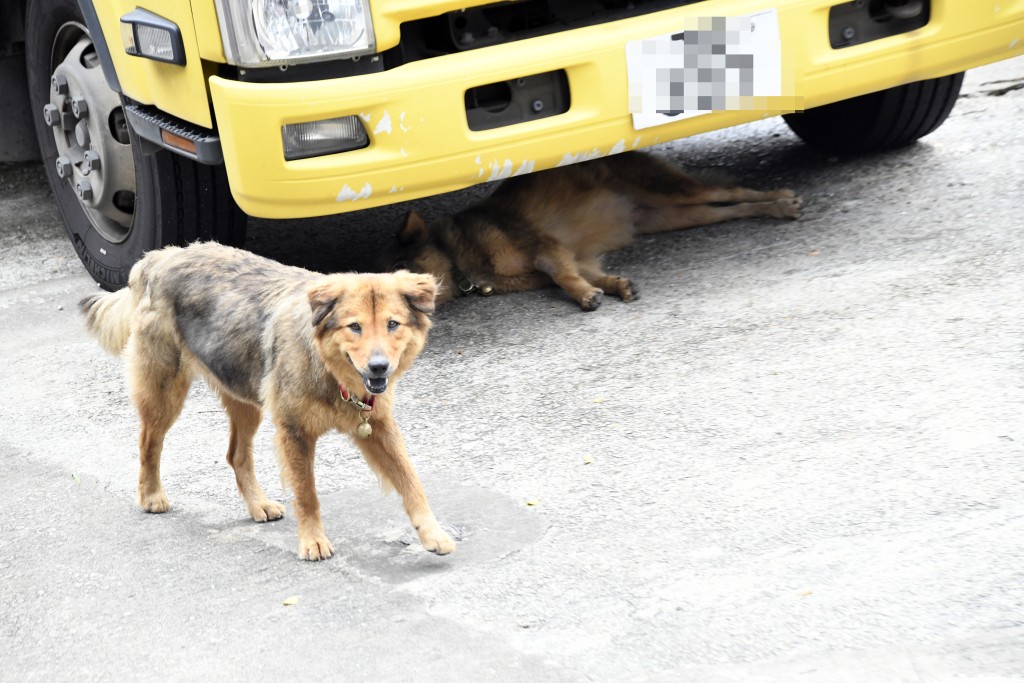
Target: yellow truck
{"x": 162, "y": 121}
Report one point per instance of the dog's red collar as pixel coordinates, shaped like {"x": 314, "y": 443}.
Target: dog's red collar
{"x": 363, "y": 429}
{"x": 467, "y": 286}
{"x": 348, "y": 397}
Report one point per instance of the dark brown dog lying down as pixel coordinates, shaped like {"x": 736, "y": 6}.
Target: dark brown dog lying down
{"x": 554, "y": 226}
{"x": 320, "y": 352}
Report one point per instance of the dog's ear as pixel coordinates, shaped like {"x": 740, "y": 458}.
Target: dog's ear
{"x": 419, "y": 290}
{"x": 414, "y": 232}
{"x": 323, "y": 297}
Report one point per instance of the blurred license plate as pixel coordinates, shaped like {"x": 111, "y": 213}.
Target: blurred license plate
{"x": 710, "y": 64}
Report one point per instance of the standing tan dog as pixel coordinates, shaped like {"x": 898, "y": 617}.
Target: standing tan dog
{"x": 265, "y": 335}
{"x": 555, "y": 225}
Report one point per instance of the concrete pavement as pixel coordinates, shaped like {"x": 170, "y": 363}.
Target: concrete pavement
{"x": 796, "y": 458}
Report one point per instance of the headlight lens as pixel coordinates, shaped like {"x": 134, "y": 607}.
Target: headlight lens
{"x": 265, "y": 32}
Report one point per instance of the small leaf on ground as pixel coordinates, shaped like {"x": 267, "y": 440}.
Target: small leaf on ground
{"x": 288, "y": 602}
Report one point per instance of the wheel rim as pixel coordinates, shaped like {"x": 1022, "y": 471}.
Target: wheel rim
{"x": 94, "y": 154}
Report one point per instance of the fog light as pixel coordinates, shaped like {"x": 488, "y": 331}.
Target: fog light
{"x": 145, "y": 34}
{"x": 317, "y": 138}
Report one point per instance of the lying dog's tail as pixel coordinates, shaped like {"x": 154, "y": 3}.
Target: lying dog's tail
{"x": 108, "y": 317}
{"x": 712, "y": 175}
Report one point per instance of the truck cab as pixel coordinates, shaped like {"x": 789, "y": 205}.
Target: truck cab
{"x": 163, "y": 123}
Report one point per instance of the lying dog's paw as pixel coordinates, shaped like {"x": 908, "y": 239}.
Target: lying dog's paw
{"x": 266, "y": 510}
{"x": 436, "y": 540}
{"x": 592, "y": 300}
{"x": 315, "y": 548}
{"x": 154, "y": 502}
{"x": 628, "y": 290}
{"x": 788, "y": 208}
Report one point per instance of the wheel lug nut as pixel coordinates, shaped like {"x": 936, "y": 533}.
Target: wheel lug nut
{"x": 83, "y": 188}
{"x": 51, "y": 115}
{"x": 60, "y": 84}
{"x": 92, "y": 161}
{"x": 63, "y": 167}
{"x": 79, "y": 107}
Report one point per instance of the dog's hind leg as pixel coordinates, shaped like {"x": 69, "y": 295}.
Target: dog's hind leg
{"x": 714, "y": 194}
{"x": 245, "y": 419}
{"x": 559, "y": 263}
{"x": 159, "y": 384}
{"x": 665, "y": 219}
{"x": 385, "y": 453}
{"x": 615, "y": 285}
{"x": 655, "y": 182}
{"x": 733, "y": 195}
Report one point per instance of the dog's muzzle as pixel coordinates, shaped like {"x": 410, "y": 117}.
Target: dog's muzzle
{"x": 376, "y": 385}
{"x": 375, "y": 377}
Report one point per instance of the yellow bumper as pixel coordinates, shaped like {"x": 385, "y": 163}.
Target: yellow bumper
{"x": 420, "y": 143}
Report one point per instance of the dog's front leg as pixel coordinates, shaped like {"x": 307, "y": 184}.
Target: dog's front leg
{"x": 559, "y": 263}
{"x": 296, "y": 448}
{"x": 385, "y": 452}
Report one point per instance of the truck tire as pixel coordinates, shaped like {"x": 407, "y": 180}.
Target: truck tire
{"x": 878, "y": 121}
{"x": 116, "y": 202}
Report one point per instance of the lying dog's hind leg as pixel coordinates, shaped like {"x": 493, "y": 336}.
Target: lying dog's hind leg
{"x": 690, "y": 193}
{"x": 559, "y": 263}
{"x": 245, "y": 419}
{"x": 680, "y": 217}
{"x": 385, "y": 453}
{"x": 713, "y": 194}
{"x": 656, "y": 182}
{"x": 615, "y": 285}
{"x": 159, "y": 386}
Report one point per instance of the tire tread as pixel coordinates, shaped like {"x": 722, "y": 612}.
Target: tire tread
{"x": 884, "y": 120}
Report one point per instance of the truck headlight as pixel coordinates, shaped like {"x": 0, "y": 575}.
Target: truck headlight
{"x": 267, "y": 32}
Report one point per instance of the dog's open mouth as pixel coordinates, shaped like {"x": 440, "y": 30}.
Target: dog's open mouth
{"x": 376, "y": 385}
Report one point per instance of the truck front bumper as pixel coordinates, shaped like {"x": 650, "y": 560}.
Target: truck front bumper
{"x": 421, "y": 144}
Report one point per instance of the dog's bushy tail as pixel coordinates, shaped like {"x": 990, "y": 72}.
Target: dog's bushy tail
{"x": 108, "y": 318}
{"x": 712, "y": 175}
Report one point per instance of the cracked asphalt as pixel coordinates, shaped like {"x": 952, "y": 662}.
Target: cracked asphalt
{"x": 796, "y": 458}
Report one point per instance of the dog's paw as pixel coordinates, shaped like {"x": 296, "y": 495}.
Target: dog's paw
{"x": 787, "y": 208}
{"x": 591, "y": 301}
{"x": 785, "y": 193}
{"x": 628, "y": 290}
{"x": 155, "y": 502}
{"x": 315, "y": 548}
{"x": 266, "y": 510}
{"x": 436, "y": 540}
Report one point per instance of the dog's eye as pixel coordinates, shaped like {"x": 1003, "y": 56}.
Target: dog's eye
{"x": 392, "y": 325}
{"x": 355, "y": 327}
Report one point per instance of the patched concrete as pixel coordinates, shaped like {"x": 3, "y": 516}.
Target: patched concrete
{"x": 796, "y": 458}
